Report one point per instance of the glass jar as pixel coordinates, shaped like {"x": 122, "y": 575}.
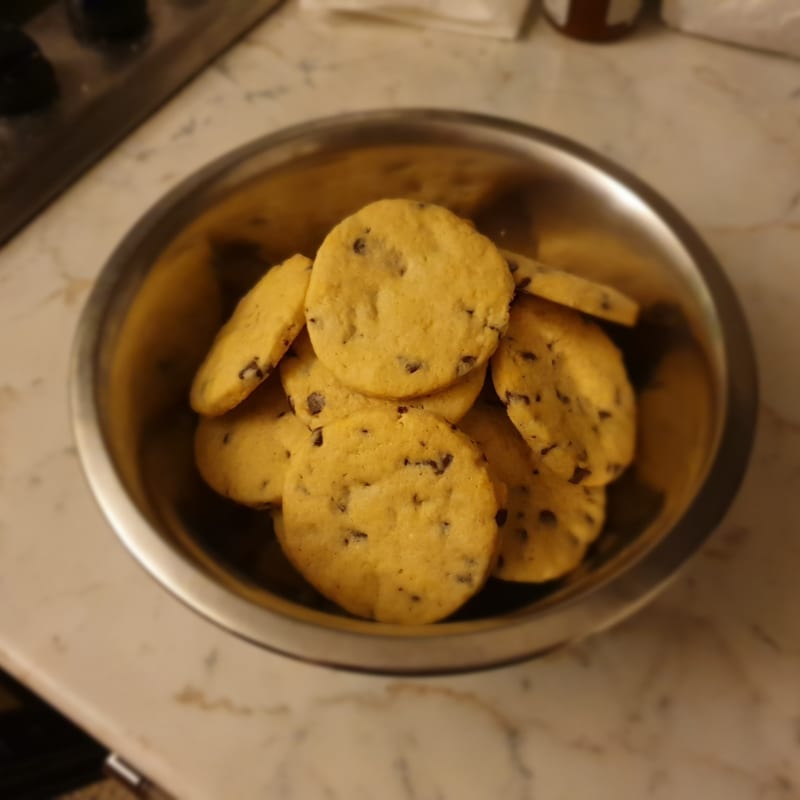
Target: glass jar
{"x": 593, "y": 20}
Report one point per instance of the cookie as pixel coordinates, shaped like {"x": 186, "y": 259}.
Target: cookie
{"x": 548, "y": 522}
{"x": 573, "y": 291}
{"x": 318, "y": 397}
{"x": 391, "y": 515}
{"x": 405, "y": 299}
{"x": 244, "y": 455}
{"x": 252, "y": 341}
{"x": 566, "y": 391}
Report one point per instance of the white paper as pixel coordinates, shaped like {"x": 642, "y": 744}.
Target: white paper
{"x": 765, "y": 24}
{"x": 621, "y": 12}
{"x": 499, "y": 18}
{"x": 558, "y": 10}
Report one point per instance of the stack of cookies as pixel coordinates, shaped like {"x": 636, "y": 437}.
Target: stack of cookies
{"x": 352, "y": 398}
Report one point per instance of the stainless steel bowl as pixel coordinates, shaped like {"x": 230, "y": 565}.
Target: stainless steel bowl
{"x": 173, "y": 279}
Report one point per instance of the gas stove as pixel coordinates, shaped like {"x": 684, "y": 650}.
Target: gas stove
{"x": 77, "y": 75}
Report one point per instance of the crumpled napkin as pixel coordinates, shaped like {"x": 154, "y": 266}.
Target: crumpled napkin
{"x": 501, "y": 19}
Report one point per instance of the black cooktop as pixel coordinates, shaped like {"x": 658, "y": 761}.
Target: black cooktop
{"x": 21, "y": 11}
{"x": 77, "y": 75}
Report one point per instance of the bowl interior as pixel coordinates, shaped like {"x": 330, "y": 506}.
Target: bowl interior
{"x": 180, "y": 273}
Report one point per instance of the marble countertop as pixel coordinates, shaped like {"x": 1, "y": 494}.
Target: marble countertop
{"x": 696, "y": 696}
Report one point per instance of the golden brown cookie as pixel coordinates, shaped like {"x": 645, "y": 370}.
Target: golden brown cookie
{"x": 390, "y": 515}
{"x": 573, "y": 291}
{"x": 244, "y": 454}
{"x": 318, "y": 396}
{"x": 251, "y": 343}
{"x": 549, "y": 522}
{"x": 566, "y": 391}
{"x": 405, "y": 299}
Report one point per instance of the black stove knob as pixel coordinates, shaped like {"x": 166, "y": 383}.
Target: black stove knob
{"x": 27, "y": 81}
{"x": 109, "y": 19}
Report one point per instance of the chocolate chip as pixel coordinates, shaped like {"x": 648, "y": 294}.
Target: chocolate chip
{"x": 603, "y": 414}
{"x": 579, "y": 474}
{"x": 538, "y": 397}
{"x": 413, "y": 366}
{"x": 513, "y": 397}
{"x": 528, "y": 356}
{"x": 315, "y": 402}
{"x": 470, "y": 311}
{"x": 415, "y": 598}
{"x": 315, "y": 321}
{"x": 438, "y": 467}
{"x": 316, "y": 437}
{"x": 445, "y": 527}
{"x": 545, "y": 450}
{"x": 359, "y": 246}
{"x": 251, "y": 370}
{"x": 465, "y": 364}
{"x": 365, "y": 431}
{"x": 547, "y": 517}
{"x": 501, "y": 516}
{"x": 416, "y": 500}
{"x": 358, "y": 536}
{"x": 402, "y": 409}
{"x": 550, "y": 346}
{"x": 288, "y": 454}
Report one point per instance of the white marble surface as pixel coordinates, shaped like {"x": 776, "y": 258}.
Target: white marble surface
{"x": 697, "y": 696}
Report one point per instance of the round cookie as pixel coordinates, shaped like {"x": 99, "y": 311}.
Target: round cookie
{"x": 549, "y": 522}
{"x": 405, "y": 299}
{"x": 565, "y": 388}
{"x": 252, "y": 341}
{"x": 318, "y": 397}
{"x": 573, "y": 291}
{"x": 244, "y": 454}
{"x": 391, "y": 515}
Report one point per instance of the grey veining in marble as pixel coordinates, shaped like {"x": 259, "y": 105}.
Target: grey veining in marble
{"x": 697, "y": 696}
